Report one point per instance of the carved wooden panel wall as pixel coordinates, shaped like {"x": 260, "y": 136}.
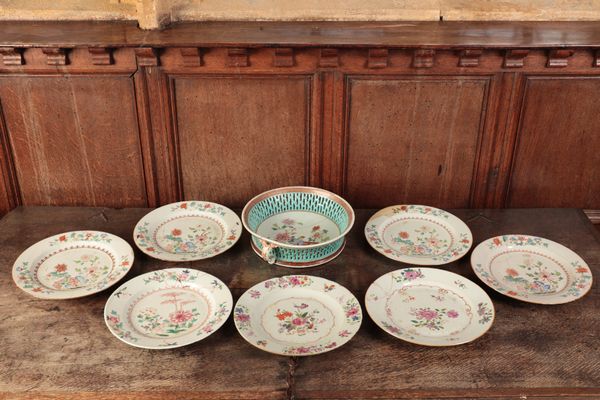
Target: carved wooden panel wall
{"x": 239, "y": 136}
{"x": 74, "y": 140}
{"x": 413, "y": 140}
{"x": 444, "y": 125}
{"x": 557, "y": 162}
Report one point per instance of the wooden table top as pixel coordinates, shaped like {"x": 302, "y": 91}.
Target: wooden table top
{"x": 63, "y": 350}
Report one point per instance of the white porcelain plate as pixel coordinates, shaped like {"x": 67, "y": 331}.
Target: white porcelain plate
{"x": 187, "y": 231}
{"x": 72, "y": 264}
{"x": 429, "y": 306}
{"x": 531, "y": 269}
{"x": 168, "y": 308}
{"x": 418, "y": 235}
{"x": 297, "y": 315}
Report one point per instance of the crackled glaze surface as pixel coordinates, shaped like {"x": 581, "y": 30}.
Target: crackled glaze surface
{"x": 419, "y": 235}
{"x": 531, "y": 269}
{"x": 297, "y": 315}
{"x": 188, "y": 230}
{"x": 72, "y": 264}
{"x": 168, "y": 308}
{"x": 429, "y": 306}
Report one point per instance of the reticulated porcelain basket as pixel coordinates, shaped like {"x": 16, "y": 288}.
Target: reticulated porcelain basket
{"x": 298, "y": 226}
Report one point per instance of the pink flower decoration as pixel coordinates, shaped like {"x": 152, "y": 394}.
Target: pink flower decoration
{"x": 180, "y": 316}
{"x": 427, "y": 314}
{"x": 298, "y": 321}
{"x": 242, "y": 317}
{"x": 452, "y": 314}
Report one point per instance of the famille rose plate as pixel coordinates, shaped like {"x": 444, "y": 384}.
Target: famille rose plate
{"x": 168, "y": 308}
{"x": 418, "y": 235}
{"x": 531, "y": 269}
{"x": 429, "y": 306}
{"x": 297, "y": 315}
{"x": 72, "y": 264}
{"x": 187, "y": 231}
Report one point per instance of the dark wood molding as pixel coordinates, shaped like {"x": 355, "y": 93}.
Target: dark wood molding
{"x": 469, "y": 57}
{"x": 377, "y": 58}
{"x": 101, "y": 55}
{"x": 238, "y": 57}
{"x": 559, "y": 58}
{"x": 12, "y": 56}
{"x": 593, "y": 215}
{"x": 147, "y": 57}
{"x": 442, "y": 34}
{"x": 329, "y": 58}
{"x": 191, "y": 56}
{"x": 56, "y": 56}
{"x": 283, "y": 57}
{"x": 515, "y": 58}
{"x": 8, "y": 172}
{"x": 423, "y": 58}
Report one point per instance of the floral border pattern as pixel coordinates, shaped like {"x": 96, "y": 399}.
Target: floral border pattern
{"x": 145, "y": 239}
{"x": 462, "y": 246}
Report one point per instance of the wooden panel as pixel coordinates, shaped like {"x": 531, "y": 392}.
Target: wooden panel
{"x": 241, "y": 136}
{"x": 74, "y": 140}
{"x": 556, "y": 158}
{"x": 413, "y": 140}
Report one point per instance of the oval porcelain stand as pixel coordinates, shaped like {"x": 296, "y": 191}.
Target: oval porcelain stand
{"x": 297, "y": 315}
{"x": 72, "y": 264}
{"x": 168, "y": 308}
{"x": 420, "y": 235}
{"x": 429, "y": 306}
{"x": 531, "y": 269}
{"x": 187, "y": 231}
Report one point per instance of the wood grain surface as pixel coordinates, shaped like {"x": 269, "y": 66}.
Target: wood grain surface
{"x": 59, "y": 129}
{"x": 413, "y": 139}
{"x": 556, "y": 157}
{"x": 62, "y": 349}
{"x": 515, "y": 34}
{"x": 255, "y": 132}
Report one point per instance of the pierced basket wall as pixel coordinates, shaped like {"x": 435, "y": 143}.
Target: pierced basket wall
{"x": 298, "y": 198}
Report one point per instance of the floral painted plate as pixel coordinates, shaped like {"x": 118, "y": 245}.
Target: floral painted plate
{"x": 419, "y": 235}
{"x": 297, "y": 315}
{"x": 168, "y": 308}
{"x": 429, "y": 306}
{"x": 187, "y": 231}
{"x": 531, "y": 269}
{"x": 72, "y": 264}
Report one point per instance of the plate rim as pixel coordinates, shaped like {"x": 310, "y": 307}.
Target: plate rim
{"x": 425, "y": 261}
{"x": 174, "y": 259}
{"x": 350, "y": 337}
{"x": 133, "y": 344}
{"x": 528, "y": 300}
{"x": 41, "y": 295}
{"x": 457, "y": 343}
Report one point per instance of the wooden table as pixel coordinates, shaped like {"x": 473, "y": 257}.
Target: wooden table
{"x": 63, "y": 350}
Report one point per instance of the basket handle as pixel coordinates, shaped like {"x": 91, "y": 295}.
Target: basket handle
{"x": 268, "y": 251}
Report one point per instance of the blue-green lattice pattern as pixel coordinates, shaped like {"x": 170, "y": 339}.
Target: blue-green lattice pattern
{"x": 300, "y": 201}
{"x": 303, "y": 255}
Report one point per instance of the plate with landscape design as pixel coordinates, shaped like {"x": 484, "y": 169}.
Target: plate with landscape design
{"x": 418, "y": 235}
{"x": 168, "y": 308}
{"x": 72, "y": 264}
{"x": 297, "y": 315}
{"x": 187, "y": 231}
{"x": 531, "y": 269}
{"x": 429, "y": 306}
